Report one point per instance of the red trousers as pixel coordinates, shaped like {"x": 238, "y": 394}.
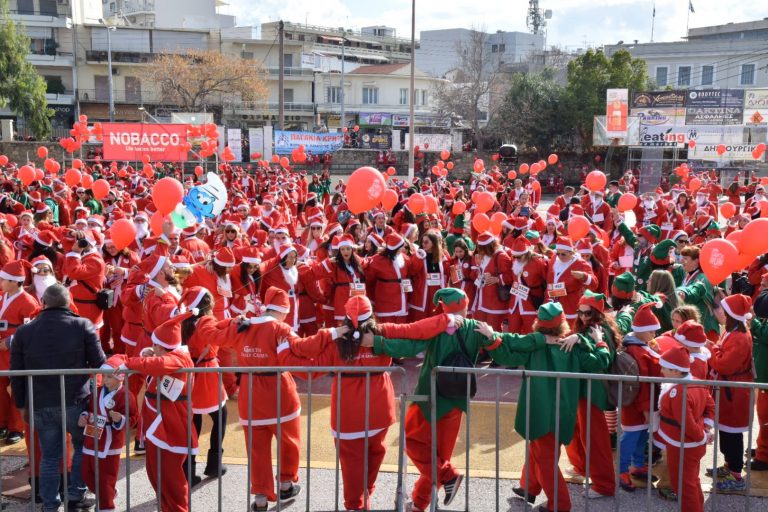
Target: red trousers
{"x": 173, "y": 484}
{"x": 262, "y": 478}
{"x": 762, "y": 418}
{"x": 113, "y": 327}
{"x": 690, "y": 494}
{"x": 418, "y": 447}
{"x": 351, "y": 455}
{"x": 542, "y": 471}
{"x": 600, "y": 456}
{"x": 10, "y": 417}
{"x": 521, "y": 324}
{"x": 227, "y": 358}
{"x": 492, "y": 319}
{"x": 109, "y": 467}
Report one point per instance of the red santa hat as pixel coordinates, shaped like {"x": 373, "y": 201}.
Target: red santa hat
{"x": 15, "y": 270}
{"x": 96, "y": 219}
{"x": 520, "y": 246}
{"x": 593, "y": 300}
{"x": 224, "y": 257}
{"x": 276, "y": 299}
{"x": 168, "y": 334}
{"x": 394, "y": 241}
{"x": 486, "y": 238}
{"x": 333, "y": 228}
{"x": 737, "y": 306}
{"x": 250, "y": 255}
{"x": 46, "y": 238}
{"x": 645, "y": 320}
{"x": 564, "y": 243}
{"x": 40, "y": 260}
{"x": 286, "y": 249}
{"x": 347, "y": 241}
{"x": 376, "y": 240}
{"x": 153, "y": 265}
{"x": 576, "y": 209}
{"x": 191, "y": 298}
{"x": 180, "y": 261}
{"x": 584, "y": 246}
{"x": 691, "y": 334}
{"x": 113, "y": 363}
{"x": 29, "y": 213}
{"x": 358, "y": 309}
{"x": 521, "y": 223}
{"x": 407, "y": 229}
{"x": 676, "y": 358}
{"x": 41, "y": 207}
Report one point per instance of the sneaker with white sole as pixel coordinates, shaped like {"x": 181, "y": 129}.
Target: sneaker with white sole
{"x": 592, "y": 494}
{"x": 452, "y": 488}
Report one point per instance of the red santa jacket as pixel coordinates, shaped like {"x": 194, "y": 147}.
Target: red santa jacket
{"x": 86, "y": 274}
{"x": 467, "y": 277}
{"x": 209, "y": 334}
{"x": 197, "y": 247}
{"x": 220, "y": 287}
{"x": 633, "y": 415}
{"x": 487, "y": 297}
{"x": 699, "y": 410}
{"x": 427, "y": 279}
{"x": 533, "y": 275}
{"x": 342, "y": 281}
{"x": 15, "y": 311}
{"x": 732, "y": 361}
{"x": 158, "y": 305}
{"x": 273, "y": 274}
{"x": 560, "y": 277}
{"x": 112, "y": 438}
{"x": 385, "y": 282}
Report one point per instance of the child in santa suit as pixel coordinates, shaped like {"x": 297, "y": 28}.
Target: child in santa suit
{"x": 107, "y": 428}
{"x": 165, "y": 412}
{"x": 691, "y": 432}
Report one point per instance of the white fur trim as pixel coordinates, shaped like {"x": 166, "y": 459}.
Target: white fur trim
{"x": 251, "y": 259}
{"x": 9, "y": 277}
{"x": 646, "y": 328}
{"x": 273, "y": 307}
{"x": 666, "y": 364}
{"x": 488, "y": 242}
{"x": 287, "y": 250}
{"x": 693, "y": 344}
{"x": 158, "y": 266}
{"x": 563, "y": 248}
{"x": 396, "y": 247}
{"x": 198, "y": 298}
{"x": 158, "y": 341}
{"x": 270, "y": 421}
{"x": 221, "y": 263}
{"x": 740, "y": 318}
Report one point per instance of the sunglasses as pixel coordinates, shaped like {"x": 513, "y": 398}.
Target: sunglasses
{"x": 584, "y": 313}
{"x": 683, "y": 241}
{"x": 563, "y": 254}
{"x": 316, "y": 228}
{"x": 230, "y": 231}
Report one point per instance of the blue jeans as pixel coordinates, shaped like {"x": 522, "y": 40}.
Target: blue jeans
{"x": 48, "y": 428}
{"x": 634, "y": 447}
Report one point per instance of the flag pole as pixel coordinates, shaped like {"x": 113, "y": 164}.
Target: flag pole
{"x": 687, "y": 18}
{"x": 653, "y": 20}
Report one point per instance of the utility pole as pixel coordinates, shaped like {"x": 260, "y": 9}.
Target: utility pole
{"x": 281, "y": 78}
{"x": 109, "y": 70}
{"x": 343, "y": 121}
{"x": 412, "y": 94}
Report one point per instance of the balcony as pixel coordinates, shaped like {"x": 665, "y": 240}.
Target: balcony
{"x": 120, "y": 96}
{"x": 38, "y": 18}
{"x": 50, "y": 58}
{"x": 65, "y": 98}
{"x": 99, "y": 57}
{"x": 328, "y": 107}
{"x": 292, "y": 72}
{"x": 256, "y": 108}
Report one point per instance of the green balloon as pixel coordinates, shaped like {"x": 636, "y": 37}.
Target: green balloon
{"x": 178, "y": 220}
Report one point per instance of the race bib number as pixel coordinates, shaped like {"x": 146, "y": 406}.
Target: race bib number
{"x": 96, "y": 428}
{"x": 406, "y": 285}
{"x": 667, "y": 226}
{"x": 557, "y": 290}
{"x": 519, "y": 290}
{"x": 434, "y": 279}
{"x": 626, "y": 261}
{"x": 457, "y": 275}
{"x": 227, "y": 294}
{"x": 356, "y": 289}
{"x": 171, "y": 388}
{"x": 598, "y": 217}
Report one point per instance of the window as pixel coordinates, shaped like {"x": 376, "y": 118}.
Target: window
{"x": 54, "y": 85}
{"x": 334, "y": 94}
{"x": 288, "y": 60}
{"x": 684, "y": 75}
{"x": 661, "y": 76}
{"x": 494, "y": 48}
{"x": 707, "y": 75}
{"x": 421, "y": 97}
{"x": 370, "y": 95}
{"x": 132, "y": 89}
{"x": 747, "y": 74}
{"x": 424, "y": 97}
{"x": 101, "y": 83}
{"x": 502, "y": 48}
{"x": 403, "y": 96}
{"x": 288, "y": 95}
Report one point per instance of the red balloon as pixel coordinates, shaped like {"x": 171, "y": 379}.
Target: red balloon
{"x": 536, "y": 186}
{"x": 417, "y": 203}
{"x": 449, "y": 166}
{"x": 484, "y": 202}
{"x": 694, "y": 184}
{"x": 156, "y": 223}
{"x": 72, "y": 177}
{"x": 389, "y": 199}
{"x": 478, "y": 166}
{"x": 87, "y": 181}
{"x": 728, "y": 210}
{"x": 511, "y": 175}
{"x": 535, "y": 168}
{"x": 497, "y": 219}
{"x": 481, "y": 222}
{"x": 552, "y": 159}
{"x": 42, "y": 152}
{"x": 368, "y": 185}
{"x": 146, "y": 159}
{"x": 83, "y": 118}
{"x": 284, "y": 162}
{"x": 459, "y": 207}
{"x": 595, "y": 181}
{"x": 77, "y": 163}
{"x": 524, "y": 168}
{"x": 431, "y": 205}
{"x": 123, "y": 232}
{"x": 12, "y": 220}
{"x": 391, "y": 171}
{"x": 627, "y": 202}
{"x": 123, "y": 172}
{"x": 39, "y": 174}
{"x": 445, "y": 154}
{"x": 357, "y": 129}
{"x": 166, "y": 194}
{"x": 275, "y": 159}
{"x": 3, "y": 160}
{"x": 26, "y": 174}
{"x": 578, "y": 227}
{"x": 718, "y": 259}
{"x": 721, "y": 149}
{"x": 100, "y": 189}
{"x": 754, "y": 242}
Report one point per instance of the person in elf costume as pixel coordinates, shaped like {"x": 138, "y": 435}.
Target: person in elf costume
{"x": 418, "y": 429}
{"x": 698, "y": 291}
{"x": 642, "y": 243}
{"x": 457, "y": 233}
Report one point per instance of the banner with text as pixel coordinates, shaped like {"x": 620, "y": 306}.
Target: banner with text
{"x": 658, "y": 99}
{"x": 617, "y": 111}
{"x": 235, "y": 142}
{"x": 315, "y": 143}
{"x": 430, "y": 141}
{"x": 131, "y": 141}
{"x": 732, "y": 152}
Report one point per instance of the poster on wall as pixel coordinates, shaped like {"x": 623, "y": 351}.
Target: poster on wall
{"x": 131, "y": 141}
{"x": 616, "y": 112}
{"x": 256, "y": 141}
{"x": 658, "y": 99}
{"x": 430, "y": 141}
{"x": 235, "y": 142}
{"x": 315, "y": 143}
{"x": 377, "y": 141}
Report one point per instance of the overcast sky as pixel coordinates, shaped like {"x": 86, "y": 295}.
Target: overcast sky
{"x": 574, "y": 22}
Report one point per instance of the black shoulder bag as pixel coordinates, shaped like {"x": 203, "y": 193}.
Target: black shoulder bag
{"x": 454, "y": 385}
{"x": 105, "y": 298}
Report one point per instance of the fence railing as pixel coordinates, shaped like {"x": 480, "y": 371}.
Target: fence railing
{"x": 492, "y": 381}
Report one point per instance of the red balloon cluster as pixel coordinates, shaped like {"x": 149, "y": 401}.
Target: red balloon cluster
{"x": 227, "y": 155}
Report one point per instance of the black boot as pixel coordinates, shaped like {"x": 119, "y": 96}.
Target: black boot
{"x": 38, "y": 499}
{"x": 192, "y": 477}
{"x": 213, "y": 464}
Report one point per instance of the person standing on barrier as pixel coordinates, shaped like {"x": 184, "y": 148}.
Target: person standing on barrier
{"x": 594, "y": 327}
{"x": 575, "y": 354}
{"x": 699, "y": 419}
{"x": 165, "y": 412}
{"x": 56, "y": 339}
{"x": 418, "y": 429}
{"x": 732, "y": 361}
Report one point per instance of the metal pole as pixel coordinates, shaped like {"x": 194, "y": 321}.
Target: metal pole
{"x": 342, "y": 120}
{"x": 411, "y": 94}
{"x": 109, "y": 75}
{"x": 281, "y": 79}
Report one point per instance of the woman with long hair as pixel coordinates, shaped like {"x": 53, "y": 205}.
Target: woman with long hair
{"x": 388, "y": 276}
{"x": 345, "y": 274}
{"x": 430, "y": 274}
{"x": 594, "y": 326}
{"x": 494, "y": 270}
{"x": 462, "y": 269}
{"x": 246, "y": 281}
{"x": 119, "y": 264}
{"x": 662, "y": 284}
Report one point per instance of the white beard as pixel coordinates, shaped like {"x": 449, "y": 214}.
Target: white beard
{"x": 291, "y": 275}
{"x": 517, "y": 267}
{"x": 141, "y": 229}
{"x": 399, "y": 260}
{"x": 701, "y": 200}
{"x": 42, "y": 283}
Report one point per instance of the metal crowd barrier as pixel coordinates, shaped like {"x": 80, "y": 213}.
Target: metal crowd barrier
{"x": 404, "y": 397}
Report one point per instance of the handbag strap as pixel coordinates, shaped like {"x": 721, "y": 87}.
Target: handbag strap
{"x": 463, "y": 346}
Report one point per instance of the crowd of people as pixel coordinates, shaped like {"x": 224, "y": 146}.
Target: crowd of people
{"x": 288, "y": 276}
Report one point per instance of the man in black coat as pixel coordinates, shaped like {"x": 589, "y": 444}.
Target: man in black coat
{"x": 56, "y": 340}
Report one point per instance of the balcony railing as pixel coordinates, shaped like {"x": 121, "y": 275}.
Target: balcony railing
{"x": 120, "y": 96}
{"x": 292, "y": 72}
{"x": 35, "y": 12}
{"x": 120, "y": 57}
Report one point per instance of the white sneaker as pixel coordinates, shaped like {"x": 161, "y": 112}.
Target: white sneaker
{"x": 592, "y": 494}
{"x": 570, "y": 472}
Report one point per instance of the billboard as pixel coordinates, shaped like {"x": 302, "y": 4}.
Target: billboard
{"x": 375, "y": 118}
{"x": 315, "y": 143}
{"x": 235, "y": 142}
{"x": 131, "y": 141}
{"x": 715, "y": 98}
{"x": 732, "y": 152}
{"x": 714, "y": 115}
{"x": 616, "y": 112}
{"x": 658, "y": 99}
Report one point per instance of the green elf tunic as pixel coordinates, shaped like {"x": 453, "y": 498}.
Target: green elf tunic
{"x": 698, "y": 292}
{"x": 321, "y": 188}
{"x": 641, "y": 267}
{"x": 613, "y": 199}
{"x": 759, "y": 330}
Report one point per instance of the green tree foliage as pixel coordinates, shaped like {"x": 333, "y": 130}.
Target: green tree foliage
{"x": 21, "y": 87}
{"x": 589, "y": 76}
{"x": 530, "y": 113}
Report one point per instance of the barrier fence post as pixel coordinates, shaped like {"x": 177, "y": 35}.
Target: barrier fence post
{"x": 649, "y": 481}
{"x": 96, "y": 407}
{"x": 433, "y": 432}
{"x": 588, "y": 445}
{"x": 557, "y": 440}
{"x": 279, "y": 439}
{"x": 498, "y": 392}
{"x": 31, "y": 414}
{"x": 527, "y": 435}
{"x": 220, "y": 382}
{"x": 366, "y": 496}
{"x": 127, "y": 393}
{"x": 337, "y": 440}
{"x": 684, "y": 407}
{"x": 65, "y": 494}
{"x": 749, "y": 447}
{"x": 716, "y": 440}
{"x": 617, "y": 496}
{"x": 468, "y": 443}
{"x": 309, "y": 435}
{"x": 159, "y": 458}
{"x": 400, "y": 498}
{"x": 190, "y": 474}
{"x": 249, "y": 448}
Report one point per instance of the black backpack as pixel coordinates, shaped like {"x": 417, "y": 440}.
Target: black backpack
{"x": 625, "y": 365}
{"x": 454, "y": 385}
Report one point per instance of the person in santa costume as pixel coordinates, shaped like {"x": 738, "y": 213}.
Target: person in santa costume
{"x": 17, "y": 307}
{"x": 215, "y": 277}
{"x": 528, "y": 288}
{"x": 43, "y": 276}
{"x": 246, "y": 281}
{"x": 689, "y": 446}
{"x": 732, "y": 361}
{"x": 462, "y": 269}
{"x": 84, "y": 270}
{"x": 281, "y": 271}
{"x": 388, "y": 278}
{"x": 111, "y": 412}
{"x": 269, "y": 341}
{"x": 165, "y": 412}
{"x": 691, "y": 335}
{"x": 494, "y": 270}
{"x": 568, "y": 276}
{"x": 345, "y": 274}
{"x": 118, "y": 265}
{"x": 430, "y": 273}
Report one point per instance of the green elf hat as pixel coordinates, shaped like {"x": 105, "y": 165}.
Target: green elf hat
{"x": 623, "y": 286}
{"x": 452, "y": 300}
{"x": 550, "y": 315}
{"x": 713, "y": 228}
{"x": 652, "y": 232}
{"x": 532, "y": 235}
{"x": 458, "y": 224}
{"x": 593, "y": 300}
{"x": 661, "y": 253}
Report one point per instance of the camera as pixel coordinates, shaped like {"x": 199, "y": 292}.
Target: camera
{"x": 83, "y": 243}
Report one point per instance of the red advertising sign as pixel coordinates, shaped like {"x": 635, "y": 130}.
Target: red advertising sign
{"x": 131, "y": 141}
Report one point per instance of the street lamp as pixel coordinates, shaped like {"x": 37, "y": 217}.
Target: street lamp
{"x": 343, "y": 45}
{"x": 145, "y": 113}
{"x": 109, "y": 70}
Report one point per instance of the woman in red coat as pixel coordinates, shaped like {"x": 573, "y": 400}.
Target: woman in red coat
{"x": 494, "y": 270}
{"x": 345, "y": 274}
{"x": 430, "y": 273}
{"x": 586, "y": 251}
{"x": 118, "y": 265}
{"x": 732, "y": 361}
{"x": 388, "y": 278}
{"x": 462, "y": 269}
{"x": 528, "y": 289}
{"x": 246, "y": 278}
{"x": 567, "y": 278}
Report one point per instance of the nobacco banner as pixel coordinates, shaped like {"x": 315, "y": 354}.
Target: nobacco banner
{"x": 617, "y": 111}
{"x": 131, "y": 141}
